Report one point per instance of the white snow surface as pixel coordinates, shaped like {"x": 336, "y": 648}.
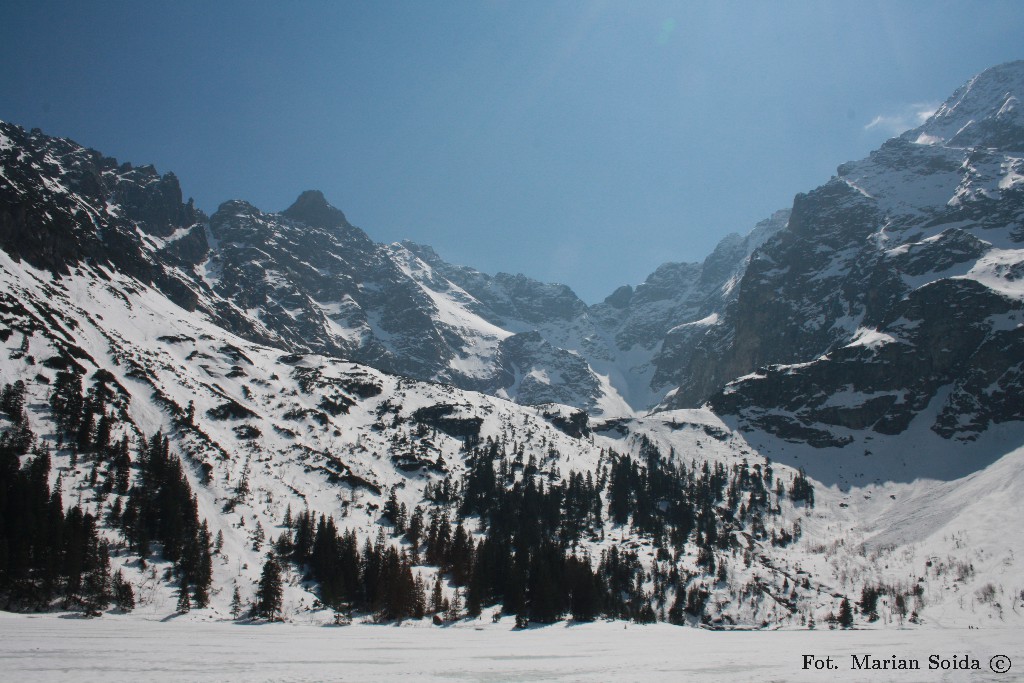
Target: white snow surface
{"x": 50, "y": 648}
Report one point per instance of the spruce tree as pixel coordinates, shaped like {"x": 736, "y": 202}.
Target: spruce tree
{"x": 436, "y": 596}
{"x": 184, "y": 597}
{"x": 845, "y": 614}
{"x": 236, "y": 603}
{"x": 270, "y": 592}
{"x": 124, "y": 596}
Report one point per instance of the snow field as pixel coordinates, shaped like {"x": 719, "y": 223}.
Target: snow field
{"x": 50, "y": 648}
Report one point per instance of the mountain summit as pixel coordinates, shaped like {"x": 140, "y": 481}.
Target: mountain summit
{"x": 984, "y": 112}
{"x": 313, "y": 209}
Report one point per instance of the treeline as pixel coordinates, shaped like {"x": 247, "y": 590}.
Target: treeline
{"x": 52, "y": 557}
{"x": 510, "y": 533}
{"x": 375, "y": 578}
{"x": 47, "y": 555}
{"x": 527, "y": 554}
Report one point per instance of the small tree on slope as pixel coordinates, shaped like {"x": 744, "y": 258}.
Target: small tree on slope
{"x": 270, "y": 592}
{"x": 845, "y": 618}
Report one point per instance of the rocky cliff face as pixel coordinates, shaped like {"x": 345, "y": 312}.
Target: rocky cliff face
{"x": 715, "y": 289}
{"x": 324, "y": 286}
{"x": 614, "y": 357}
{"x": 65, "y": 207}
{"x": 895, "y": 287}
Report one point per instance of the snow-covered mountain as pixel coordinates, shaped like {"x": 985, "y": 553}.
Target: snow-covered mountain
{"x": 265, "y": 434}
{"x": 307, "y": 280}
{"x": 612, "y": 358}
{"x": 894, "y": 290}
{"x": 869, "y": 339}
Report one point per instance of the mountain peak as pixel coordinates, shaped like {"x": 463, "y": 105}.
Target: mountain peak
{"x": 983, "y": 112}
{"x": 313, "y": 209}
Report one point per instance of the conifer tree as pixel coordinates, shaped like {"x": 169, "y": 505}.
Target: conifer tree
{"x": 124, "y": 595}
{"x": 845, "y": 617}
{"x": 66, "y": 401}
{"x": 236, "y": 603}
{"x": 184, "y": 597}
{"x": 437, "y": 596}
{"x": 270, "y": 592}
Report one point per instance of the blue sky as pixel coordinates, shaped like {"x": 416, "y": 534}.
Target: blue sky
{"x": 576, "y": 142}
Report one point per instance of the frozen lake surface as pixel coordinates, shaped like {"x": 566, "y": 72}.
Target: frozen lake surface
{"x": 55, "y": 648}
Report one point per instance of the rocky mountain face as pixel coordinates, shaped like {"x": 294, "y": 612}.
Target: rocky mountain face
{"x": 713, "y": 290}
{"x": 307, "y": 280}
{"x": 62, "y": 206}
{"x": 895, "y": 286}
{"x": 322, "y": 285}
{"x": 614, "y": 357}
